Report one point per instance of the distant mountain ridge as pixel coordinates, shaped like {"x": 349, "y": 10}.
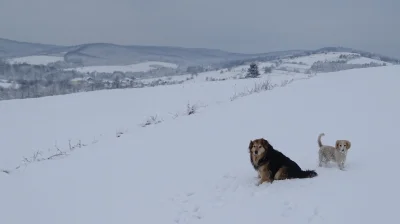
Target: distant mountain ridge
{"x": 11, "y": 48}
{"x": 113, "y": 54}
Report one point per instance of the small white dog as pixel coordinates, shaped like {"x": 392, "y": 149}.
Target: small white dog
{"x": 336, "y": 154}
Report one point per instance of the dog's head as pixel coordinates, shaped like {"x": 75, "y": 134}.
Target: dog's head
{"x": 343, "y": 145}
{"x": 258, "y": 148}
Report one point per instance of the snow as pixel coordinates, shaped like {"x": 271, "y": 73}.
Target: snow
{"x": 329, "y": 56}
{"x": 139, "y": 67}
{"x": 5, "y": 85}
{"x": 8, "y": 84}
{"x": 196, "y": 169}
{"x": 363, "y": 60}
{"x": 36, "y": 59}
{"x": 167, "y": 78}
{"x": 64, "y": 117}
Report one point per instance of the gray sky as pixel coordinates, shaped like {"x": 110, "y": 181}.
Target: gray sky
{"x": 249, "y": 26}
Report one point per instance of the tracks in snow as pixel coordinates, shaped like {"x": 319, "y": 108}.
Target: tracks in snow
{"x": 196, "y": 206}
{"x": 193, "y": 206}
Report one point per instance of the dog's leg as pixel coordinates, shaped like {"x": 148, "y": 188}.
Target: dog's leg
{"x": 340, "y": 161}
{"x": 321, "y": 158}
{"x": 265, "y": 177}
{"x": 323, "y": 161}
{"x": 341, "y": 165}
{"x": 281, "y": 174}
{"x": 262, "y": 180}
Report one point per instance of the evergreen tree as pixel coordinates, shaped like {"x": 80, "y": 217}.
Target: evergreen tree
{"x": 253, "y": 72}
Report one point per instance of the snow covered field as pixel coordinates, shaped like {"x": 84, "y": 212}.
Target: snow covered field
{"x": 139, "y": 67}
{"x": 363, "y": 60}
{"x": 307, "y": 61}
{"x": 36, "y": 59}
{"x": 87, "y": 116}
{"x": 5, "y": 84}
{"x": 295, "y": 67}
{"x": 196, "y": 169}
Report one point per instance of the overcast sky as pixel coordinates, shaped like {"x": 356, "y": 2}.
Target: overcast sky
{"x": 249, "y": 26}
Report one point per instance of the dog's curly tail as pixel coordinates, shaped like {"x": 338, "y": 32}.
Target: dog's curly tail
{"x": 319, "y": 139}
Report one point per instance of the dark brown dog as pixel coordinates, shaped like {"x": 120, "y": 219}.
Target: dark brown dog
{"x": 272, "y": 165}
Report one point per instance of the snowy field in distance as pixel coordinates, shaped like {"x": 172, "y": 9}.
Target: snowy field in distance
{"x": 363, "y": 60}
{"x": 139, "y": 67}
{"x": 286, "y": 68}
{"x": 196, "y": 169}
{"x": 36, "y": 59}
{"x": 8, "y": 84}
{"x": 5, "y": 84}
{"x": 307, "y": 61}
{"x": 295, "y": 67}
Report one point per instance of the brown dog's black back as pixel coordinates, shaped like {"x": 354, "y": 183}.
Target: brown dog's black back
{"x": 278, "y": 160}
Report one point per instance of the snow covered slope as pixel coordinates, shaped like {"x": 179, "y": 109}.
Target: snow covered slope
{"x": 196, "y": 169}
{"x": 139, "y": 67}
{"x": 36, "y": 59}
{"x": 305, "y": 62}
{"x": 11, "y": 48}
{"x": 292, "y": 66}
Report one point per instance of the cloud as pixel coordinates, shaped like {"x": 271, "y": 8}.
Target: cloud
{"x": 233, "y": 25}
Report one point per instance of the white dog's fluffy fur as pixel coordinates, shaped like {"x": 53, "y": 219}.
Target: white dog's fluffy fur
{"x": 336, "y": 154}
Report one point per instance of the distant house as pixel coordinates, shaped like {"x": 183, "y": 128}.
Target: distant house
{"x": 126, "y": 82}
{"x": 107, "y": 83}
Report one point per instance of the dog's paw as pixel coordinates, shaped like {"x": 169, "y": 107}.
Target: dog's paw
{"x": 263, "y": 182}
{"x": 259, "y": 183}
{"x": 342, "y": 168}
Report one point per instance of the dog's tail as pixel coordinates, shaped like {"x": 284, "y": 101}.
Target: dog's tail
{"x": 307, "y": 174}
{"x": 319, "y": 139}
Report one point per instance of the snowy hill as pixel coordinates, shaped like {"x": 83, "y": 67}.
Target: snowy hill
{"x": 287, "y": 68}
{"x": 111, "y": 54}
{"x": 11, "y": 48}
{"x": 189, "y": 167}
{"x": 101, "y": 54}
{"x": 46, "y": 75}
{"x": 36, "y": 59}
{"x": 139, "y": 67}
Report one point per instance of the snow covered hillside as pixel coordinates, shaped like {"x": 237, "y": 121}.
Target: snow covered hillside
{"x": 5, "y": 84}
{"x": 139, "y": 67}
{"x": 191, "y": 165}
{"x": 281, "y": 68}
{"x": 36, "y": 59}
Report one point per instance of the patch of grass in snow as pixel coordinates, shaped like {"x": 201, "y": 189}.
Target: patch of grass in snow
{"x": 151, "y": 121}
{"x": 40, "y": 155}
{"x": 264, "y": 86}
{"x": 258, "y": 87}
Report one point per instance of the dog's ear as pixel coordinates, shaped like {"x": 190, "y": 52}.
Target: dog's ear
{"x": 250, "y": 145}
{"x": 337, "y": 144}
{"x": 265, "y": 144}
{"x": 348, "y": 144}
